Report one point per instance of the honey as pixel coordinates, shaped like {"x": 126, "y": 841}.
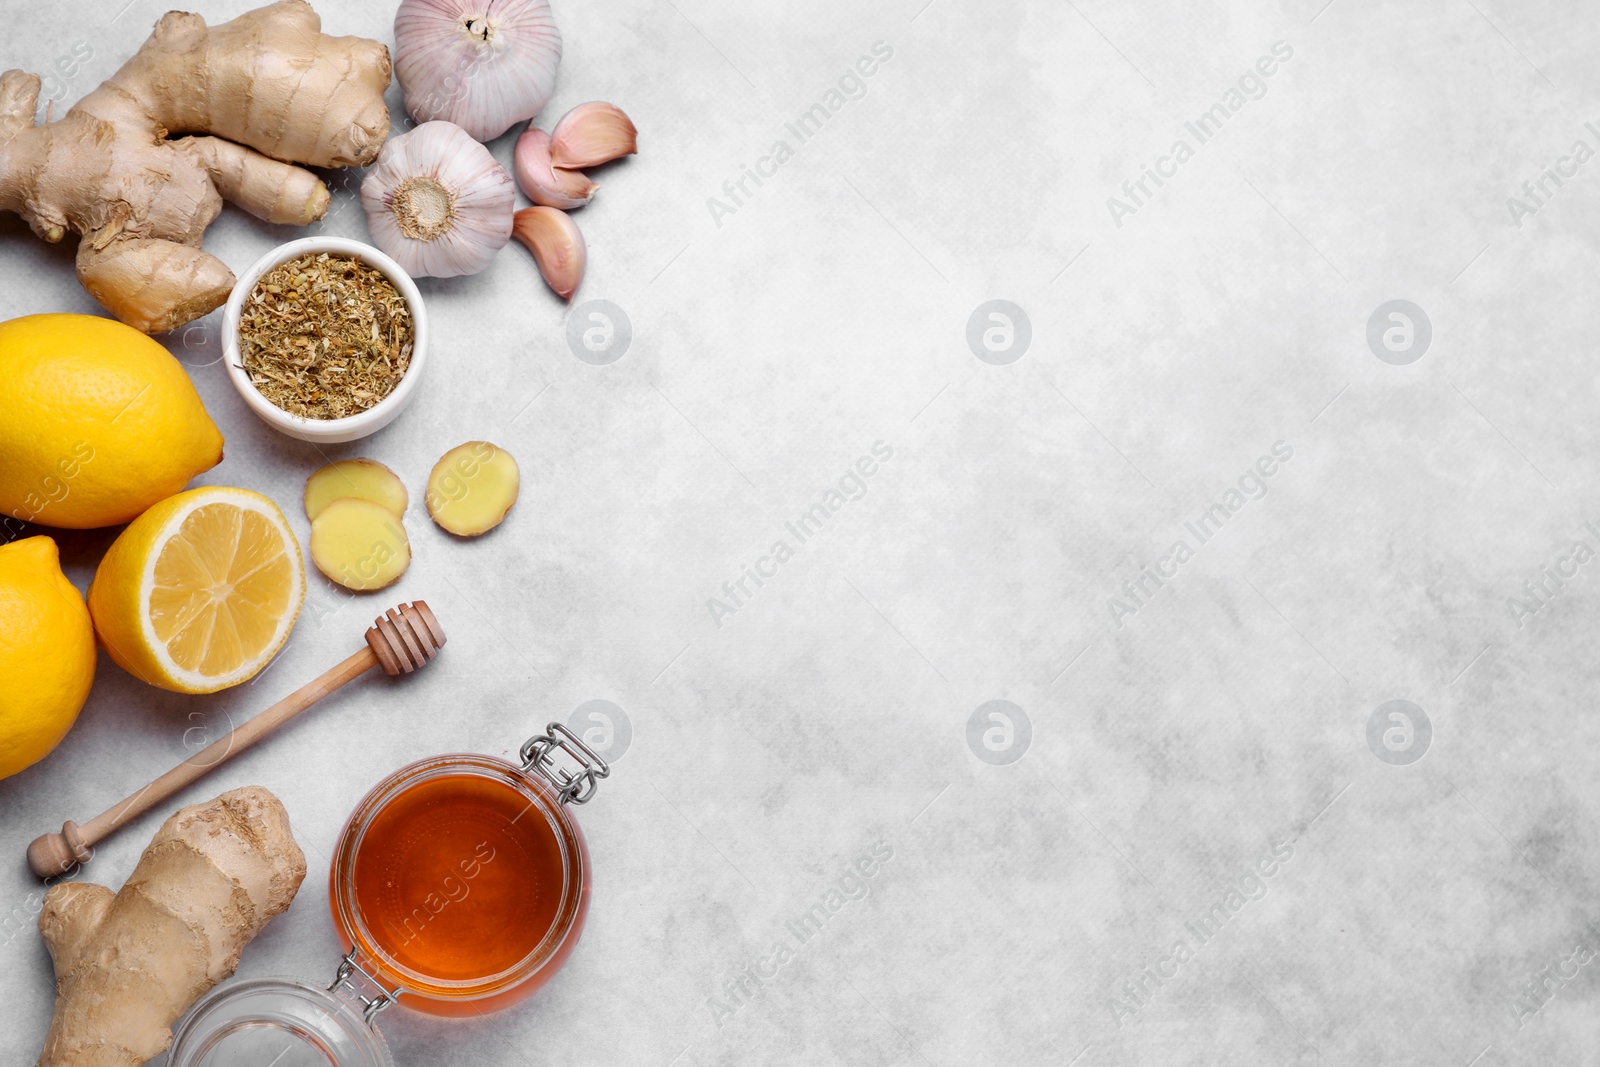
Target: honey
{"x": 458, "y": 878}
{"x": 461, "y": 881}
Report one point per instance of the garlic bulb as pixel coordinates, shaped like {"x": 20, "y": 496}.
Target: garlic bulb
{"x": 484, "y": 65}
{"x": 437, "y": 202}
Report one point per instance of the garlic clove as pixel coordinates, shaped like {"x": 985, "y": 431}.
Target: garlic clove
{"x": 556, "y": 244}
{"x": 574, "y": 184}
{"x": 591, "y": 134}
{"x": 546, "y": 184}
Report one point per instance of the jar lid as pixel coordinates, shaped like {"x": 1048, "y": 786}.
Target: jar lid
{"x": 280, "y": 1021}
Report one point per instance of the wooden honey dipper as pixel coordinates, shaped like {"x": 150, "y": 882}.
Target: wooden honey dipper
{"x": 400, "y": 641}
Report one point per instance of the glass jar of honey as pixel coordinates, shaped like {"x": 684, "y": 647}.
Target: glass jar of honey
{"x": 459, "y": 886}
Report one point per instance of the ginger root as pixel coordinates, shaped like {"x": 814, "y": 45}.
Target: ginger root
{"x": 129, "y": 965}
{"x": 272, "y": 89}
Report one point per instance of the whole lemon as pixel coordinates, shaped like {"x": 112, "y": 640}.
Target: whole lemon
{"x": 97, "y": 422}
{"x": 46, "y": 653}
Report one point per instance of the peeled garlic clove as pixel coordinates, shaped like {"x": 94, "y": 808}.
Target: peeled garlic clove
{"x": 437, "y": 202}
{"x": 556, "y": 244}
{"x": 483, "y": 66}
{"x": 546, "y": 184}
{"x": 592, "y": 134}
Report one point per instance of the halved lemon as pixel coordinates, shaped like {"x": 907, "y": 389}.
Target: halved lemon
{"x": 200, "y": 592}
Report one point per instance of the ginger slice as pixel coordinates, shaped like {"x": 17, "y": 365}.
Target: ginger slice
{"x": 365, "y": 479}
{"x": 359, "y": 544}
{"x": 472, "y": 487}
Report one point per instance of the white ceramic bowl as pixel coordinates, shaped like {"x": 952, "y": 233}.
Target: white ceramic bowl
{"x": 326, "y": 431}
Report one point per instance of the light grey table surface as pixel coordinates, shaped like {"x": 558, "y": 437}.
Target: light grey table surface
{"x": 1433, "y": 899}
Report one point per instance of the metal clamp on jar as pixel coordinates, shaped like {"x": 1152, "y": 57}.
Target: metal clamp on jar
{"x": 459, "y": 886}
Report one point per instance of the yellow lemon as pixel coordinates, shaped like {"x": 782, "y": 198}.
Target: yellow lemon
{"x": 201, "y": 591}
{"x": 97, "y": 422}
{"x": 46, "y": 653}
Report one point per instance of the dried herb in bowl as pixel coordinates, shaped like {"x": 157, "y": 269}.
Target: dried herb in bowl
{"x": 325, "y": 336}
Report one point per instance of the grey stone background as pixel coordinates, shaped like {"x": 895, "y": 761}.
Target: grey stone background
{"x": 1436, "y": 910}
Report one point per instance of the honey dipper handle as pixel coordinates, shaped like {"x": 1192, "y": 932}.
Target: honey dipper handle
{"x": 401, "y": 640}
{"x": 226, "y": 747}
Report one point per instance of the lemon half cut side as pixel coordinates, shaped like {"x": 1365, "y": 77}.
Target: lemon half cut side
{"x": 201, "y": 591}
